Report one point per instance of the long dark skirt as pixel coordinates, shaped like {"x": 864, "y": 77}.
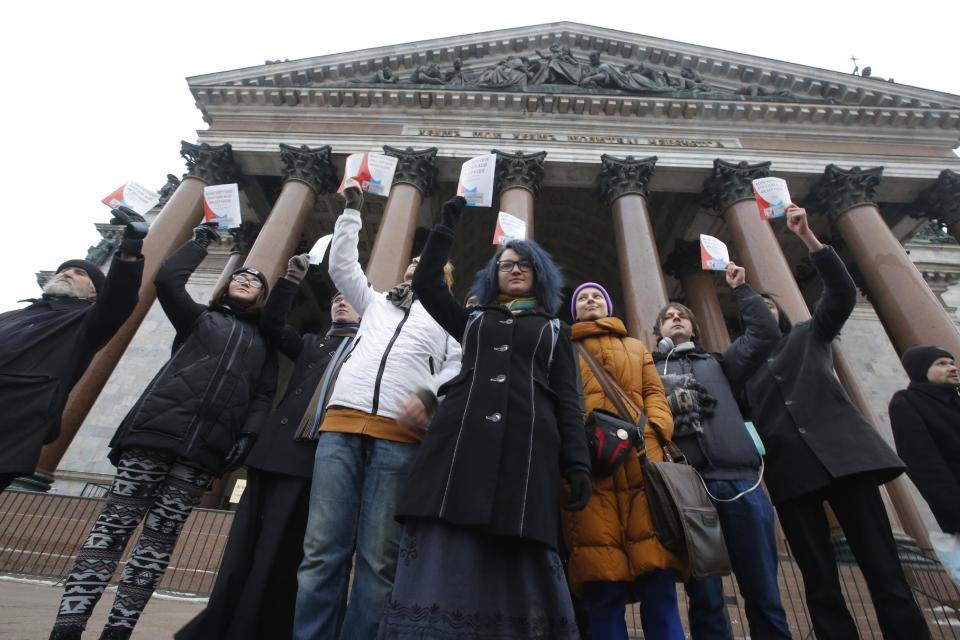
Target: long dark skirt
{"x": 256, "y": 587}
{"x": 454, "y": 582}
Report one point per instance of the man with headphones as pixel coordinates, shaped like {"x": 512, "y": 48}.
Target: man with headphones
{"x": 710, "y": 430}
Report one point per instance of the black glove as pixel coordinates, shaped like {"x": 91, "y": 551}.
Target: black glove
{"x": 451, "y": 210}
{"x": 354, "y": 198}
{"x": 297, "y": 268}
{"x": 581, "y": 488}
{"x": 238, "y": 452}
{"x": 205, "y": 233}
{"x": 134, "y": 231}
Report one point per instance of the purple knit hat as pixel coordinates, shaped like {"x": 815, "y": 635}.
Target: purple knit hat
{"x": 587, "y": 285}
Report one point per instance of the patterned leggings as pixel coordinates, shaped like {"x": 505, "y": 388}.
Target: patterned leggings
{"x": 148, "y": 484}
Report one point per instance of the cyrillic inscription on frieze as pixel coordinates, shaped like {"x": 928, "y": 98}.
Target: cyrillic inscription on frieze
{"x": 537, "y": 136}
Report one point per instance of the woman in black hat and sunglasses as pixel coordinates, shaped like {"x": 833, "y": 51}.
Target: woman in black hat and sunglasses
{"x": 196, "y": 420}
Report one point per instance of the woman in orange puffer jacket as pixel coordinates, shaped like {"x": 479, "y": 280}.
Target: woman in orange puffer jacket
{"x": 614, "y": 554}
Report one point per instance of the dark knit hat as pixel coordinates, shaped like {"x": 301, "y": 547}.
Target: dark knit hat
{"x": 93, "y": 271}
{"x": 918, "y": 358}
{"x": 588, "y": 285}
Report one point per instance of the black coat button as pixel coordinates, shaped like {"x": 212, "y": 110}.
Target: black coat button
{"x": 284, "y": 420}
{"x": 499, "y": 378}
{"x": 298, "y": 392}
{"x": 494, "y": 417}
{"x": 502, "y": 348}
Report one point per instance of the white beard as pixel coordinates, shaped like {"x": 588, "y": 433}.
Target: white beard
{"x": 65, "y": 289}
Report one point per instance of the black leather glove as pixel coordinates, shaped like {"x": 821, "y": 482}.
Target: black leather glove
{"x": 134, "y": 231}
{"x": 581, "y": 488}
{"x": 205, "y": 233}
{"x": 238, "y": 452}
{"x": 451, "y": 210}
{"x": 297, "y": 268}
{"x": 354, "y": 198}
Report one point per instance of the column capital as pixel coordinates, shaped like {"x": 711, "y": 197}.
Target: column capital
{"x": 621, "y": 176}
{"x": 519, "y": 169}
{"x": 840, "y": 189}
{"x": 213, "y": 165}
{"x": 244, "y": 236}
{"x": 416, "y": 167}
{"x": 731, "y": 182}
{"x": 941, "y": 200}
{"x": 313, "y": 167}
{"x": 684, "y": 259}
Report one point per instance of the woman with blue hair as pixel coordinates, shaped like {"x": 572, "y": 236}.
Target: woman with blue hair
{"x": 478, "y": 553}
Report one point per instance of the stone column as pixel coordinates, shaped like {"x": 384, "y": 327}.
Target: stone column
{"x": 730, "y": 192}
{"x": 415, "y": 178}
{"x": 306, "y": 173}
{"x": 910, "y": 312}
{"x": 623, "y": 182}
{"x": 941, "y": 202}
{"x": 206, "y": 165}
{"x": 519, "y": 180}
{"x": 701, "y": 290}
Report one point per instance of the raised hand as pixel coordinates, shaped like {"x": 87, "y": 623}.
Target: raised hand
{"x": 297, "y": 268}
{"x": 352, "y": 194}
{"x": 735, "y": 275}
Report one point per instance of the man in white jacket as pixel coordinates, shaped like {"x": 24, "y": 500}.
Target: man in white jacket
{"x": 377, "y": 416}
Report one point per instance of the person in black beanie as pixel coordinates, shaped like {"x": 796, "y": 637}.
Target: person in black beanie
{"x": 46, "y": 346}
{"x": 925, "y": 418}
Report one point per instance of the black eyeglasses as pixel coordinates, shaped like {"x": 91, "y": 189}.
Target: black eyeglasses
{"x": 253, "y": 281}
{"x": 508, "y": 265}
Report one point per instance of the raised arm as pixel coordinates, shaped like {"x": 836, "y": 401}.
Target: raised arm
{"x": 345, "y": 269}
{"x": 428, "y": 283}
{"x": 760, "y": 334}
{"x": 113, "y": 306}
{"x": 839, "y": 295}
{"x": 273, "y": 321}
{"x": 171, "y": 280}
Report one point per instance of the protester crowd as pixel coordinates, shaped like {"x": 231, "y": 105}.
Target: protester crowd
{"x": 434, "y": 469}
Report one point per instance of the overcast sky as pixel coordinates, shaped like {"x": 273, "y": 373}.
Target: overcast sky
{"x": 95, "y": 93}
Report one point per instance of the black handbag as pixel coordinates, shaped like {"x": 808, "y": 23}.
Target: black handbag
{"x": 684, "y": 519}
{"x": 610, "y": 438}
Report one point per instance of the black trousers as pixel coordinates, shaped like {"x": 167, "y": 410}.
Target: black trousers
{"x": 856, "y": 503}
{"x": 256, "y": 587}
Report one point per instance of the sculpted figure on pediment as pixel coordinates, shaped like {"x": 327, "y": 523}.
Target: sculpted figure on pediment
{"x": 559, "y": 67}
{"x": 382, "y": 76}
{"x": 458, "y": 77}
{"x": 632, "y": 78}
{"x": 512, "y": 72}
{"x": 427, "y": 74}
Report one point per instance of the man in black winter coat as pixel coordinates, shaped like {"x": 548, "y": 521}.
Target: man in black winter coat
{"x": 46, "y": 346}
{"x": 256, "y": 587}
{"x": 710, "y": 430}
{"x": 821, "y": 448}
{"x": 926, "y": 428}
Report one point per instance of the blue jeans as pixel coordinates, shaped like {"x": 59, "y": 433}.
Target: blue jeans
{"x": 659, "y": 612}
{"x": 748, "y": 529}
{"x": 356, "y": 484}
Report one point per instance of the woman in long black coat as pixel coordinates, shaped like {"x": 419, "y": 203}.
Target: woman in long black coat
{"x": 820, "y": 448}
{"x": 196, "y": 419}
{"x": 925, "y": 418}
{"x": 481, "y": 509}
{"x": 256, "y": 587}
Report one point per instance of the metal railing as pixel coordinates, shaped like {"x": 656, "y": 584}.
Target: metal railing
{"x": 41, "y": 533}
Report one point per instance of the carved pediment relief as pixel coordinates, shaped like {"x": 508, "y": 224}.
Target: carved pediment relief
{"x": 570, "y": 58}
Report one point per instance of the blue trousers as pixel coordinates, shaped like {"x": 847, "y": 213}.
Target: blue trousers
{"x": 748, "y": 529}
{"x": 659, "y": 613}
{"x": 356, "y": 483}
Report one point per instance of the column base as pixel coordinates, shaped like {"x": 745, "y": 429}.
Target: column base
{"x": 38, "y": 482}
{"x": 908, "y": 551}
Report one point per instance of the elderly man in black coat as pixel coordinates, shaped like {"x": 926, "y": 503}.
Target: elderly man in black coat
{"x": 821, "y": 448}
{"x": 46, "y": 346}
